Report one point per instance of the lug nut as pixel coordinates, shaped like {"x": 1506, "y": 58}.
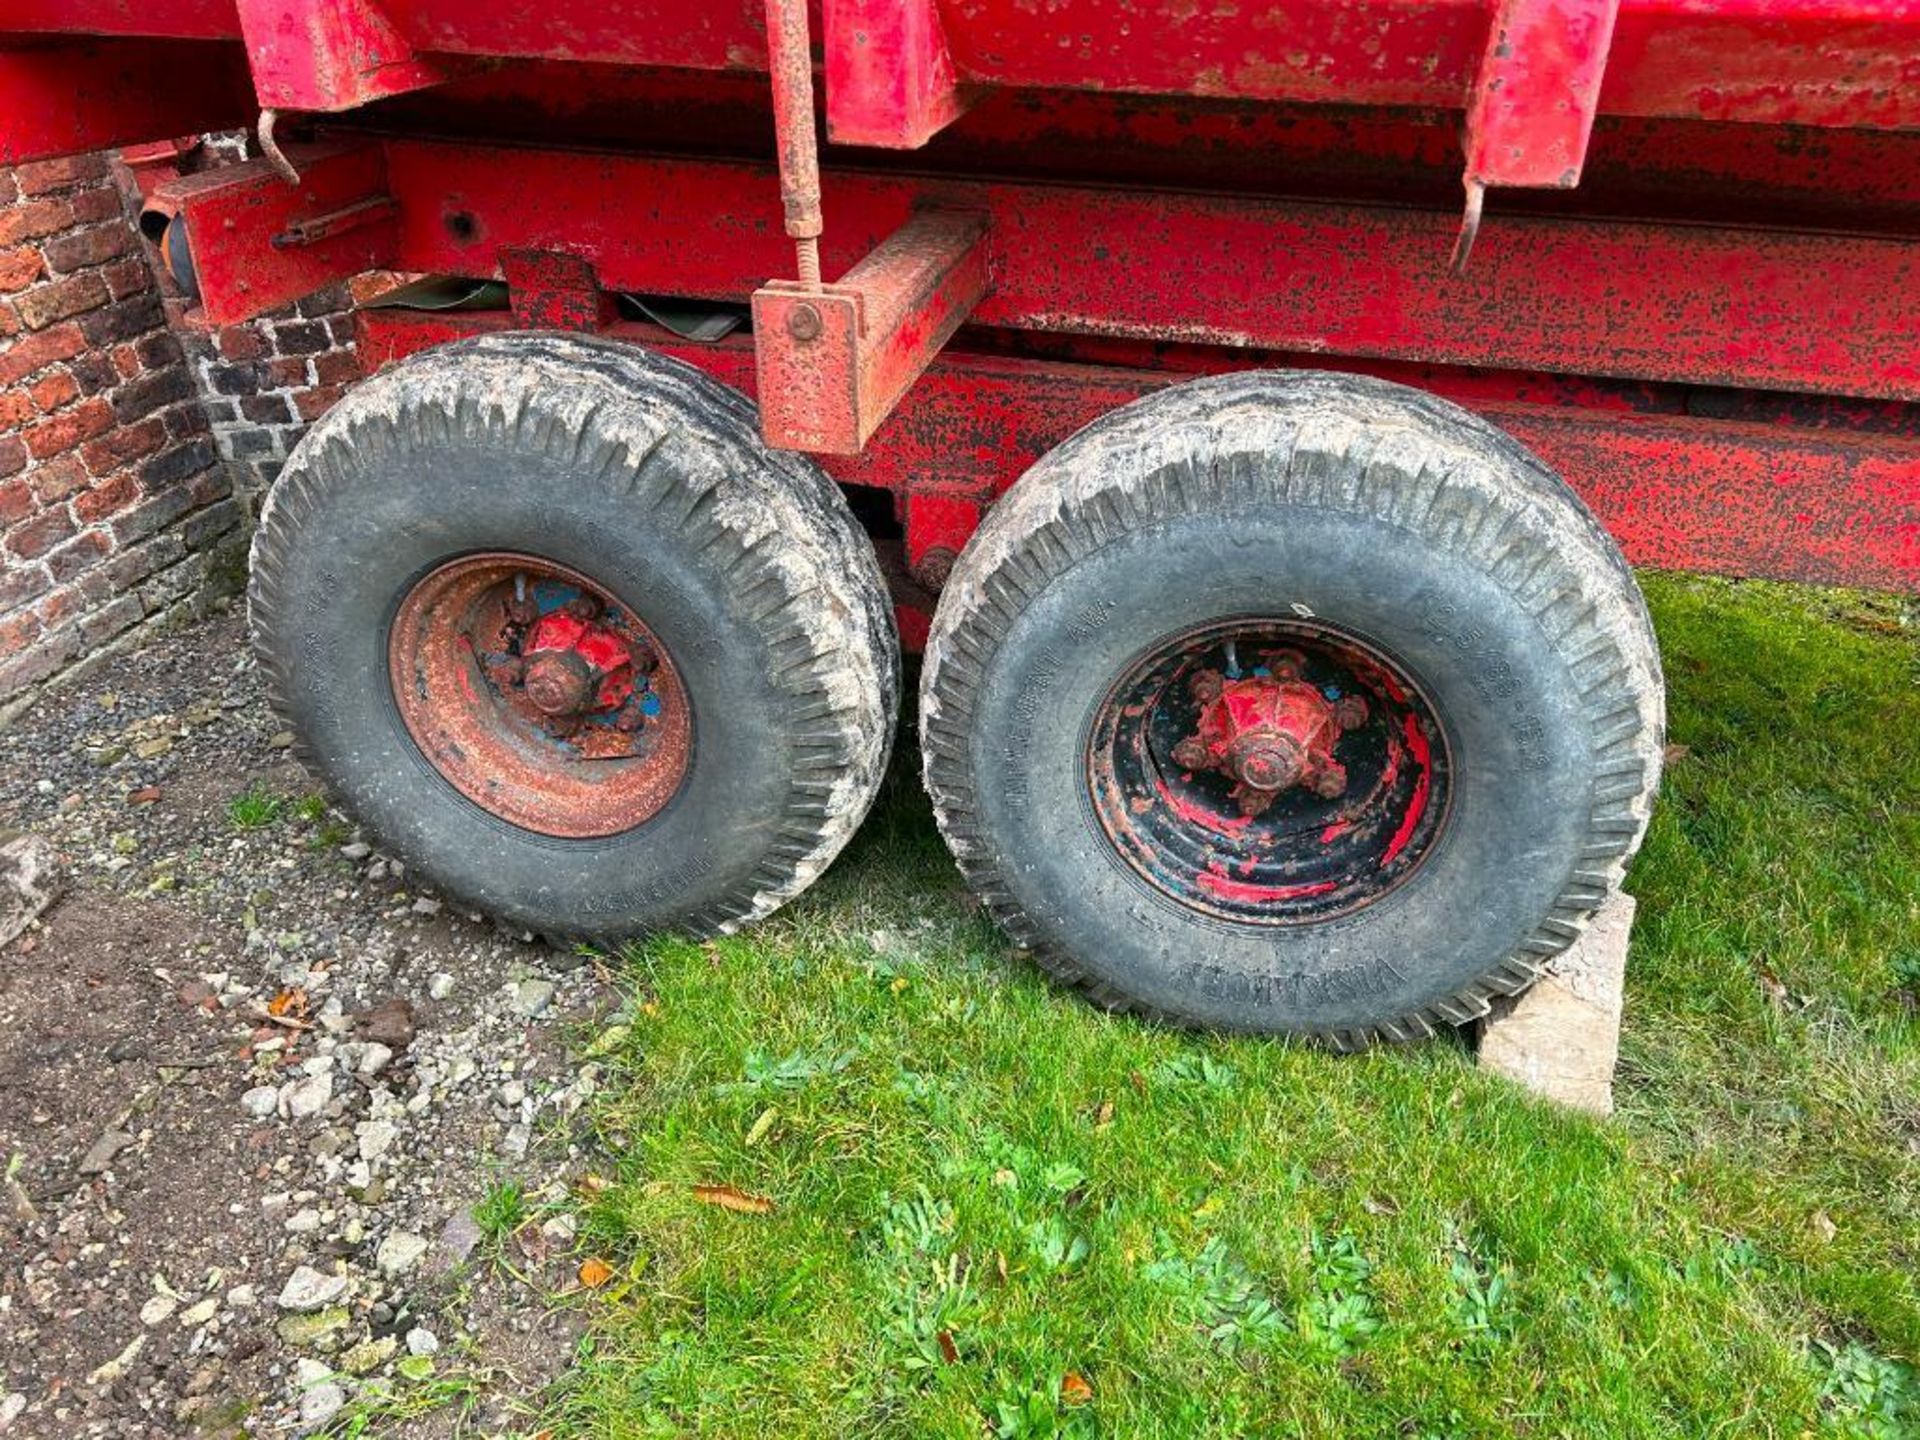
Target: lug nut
{"x": 1331, "y": 783}
{"x": 1191, "y": 754}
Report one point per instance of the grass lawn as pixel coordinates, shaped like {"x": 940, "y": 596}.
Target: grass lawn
{"x": 996, "y": 1211}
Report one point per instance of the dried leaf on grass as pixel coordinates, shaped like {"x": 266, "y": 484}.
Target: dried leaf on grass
{"x": 731, "y": 1197}
{"x": 595, "y": 1272}
{"x": 1074, "y": 1390}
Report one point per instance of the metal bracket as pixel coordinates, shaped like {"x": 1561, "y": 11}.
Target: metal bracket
{"x": 257, "y": 242}
{"x": 891, "y": 80}
{"x": 315, "y": 228}
{"x": 1533, "y": 102}
{"x": 332, "y": 55}
{"x": 833, "y": 360}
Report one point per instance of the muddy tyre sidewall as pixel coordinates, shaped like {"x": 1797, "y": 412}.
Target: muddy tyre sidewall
{"x": 777, "y": 778}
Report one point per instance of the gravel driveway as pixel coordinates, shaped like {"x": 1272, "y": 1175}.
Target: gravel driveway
{"x": 253, "y": 1080}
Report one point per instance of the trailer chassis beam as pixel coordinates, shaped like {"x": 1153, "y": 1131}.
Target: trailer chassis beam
{"x": 1764, "y": 494}
{"x": 1798, "y": 311}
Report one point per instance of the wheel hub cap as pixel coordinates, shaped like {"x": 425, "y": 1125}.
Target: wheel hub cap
{"x": 538, "y": 696}
{"x": 1274, "y": 771}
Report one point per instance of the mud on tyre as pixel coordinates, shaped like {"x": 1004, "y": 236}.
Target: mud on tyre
{"x": 1300, "y": 703}
{"x": 559, "y": 629}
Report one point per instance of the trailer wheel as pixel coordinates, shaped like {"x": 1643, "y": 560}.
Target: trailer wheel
{"x": 1301, "y": 703}
{"x": 564, "y": 634}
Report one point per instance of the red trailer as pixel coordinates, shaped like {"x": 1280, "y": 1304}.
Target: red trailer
{"x": 1251, "y": 409}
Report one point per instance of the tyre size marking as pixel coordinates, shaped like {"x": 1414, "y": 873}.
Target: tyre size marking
{"x": 663, "y": 889}
{"x": 1345, "y": 983}
{"x": 1489, "y": 672}
{"x": 1015, "y": 774}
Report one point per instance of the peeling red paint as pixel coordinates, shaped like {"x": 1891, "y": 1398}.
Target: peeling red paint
{"x": 1229, "y": 889}
{"x": 1417, "y": 807}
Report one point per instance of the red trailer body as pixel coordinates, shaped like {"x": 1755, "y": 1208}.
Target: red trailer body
{"x": 1668, "y": 245}
{"x": 1712, "y": 337}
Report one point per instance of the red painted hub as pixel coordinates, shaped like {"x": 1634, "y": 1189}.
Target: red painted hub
{"x": 1269, "y": 731}
{"x": 538, "y": 696}
{"x": 1275, "y": 771}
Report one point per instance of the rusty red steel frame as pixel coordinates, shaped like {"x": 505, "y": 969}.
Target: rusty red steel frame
{"x": 1024, "y": 216}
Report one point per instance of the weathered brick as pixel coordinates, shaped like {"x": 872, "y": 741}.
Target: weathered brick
{"x": 241, "y": 379}
{"x": 174, "y": 584}
{"x": 135, "y": 562}
{"x": 158, "y": 350}
{"x": 156, "y": 512}
{"x": 291, "y": 371}
{"x": 9, "y": 187}
{"x": 129, "y": 277}
{"x": 47, "y": 658}
{"x": 45, "y": 177}
{"x": 36, "y": 352}
{"x": 340, "y": 328}
{"x": 57, "y": 479}
{"x": 16, "y": 409}
{"x": 53, "y": 390}
{"x": 266, "y": 409}
{"x": 78, "y": 555}
{"x": 94, "y": 372}
{"x": 108, "y": 498}
{"x": 204, "y": 527}
{"x": 312, "y": 404}
{"x": 126, "y": 361}
{"x": 247, "y": 443}
{"x": 34, "y": 219}
{"x": 170, "y": 467}
{"x": 72, "y": 600}
{"x": 110, "y": 620}
{"x": 21, "y": 583}
{"x": 19, "y": 631}
{"x": 301, "y": 337}
{"x": 44, "y": 304}
{"x": 123, "y": 320}
{"x": 16, "y": 502}
{"x": 31, "y": 539}
{"x": 186, "y": 421}
{"x": 90, "y": 207}
{"x": 210, "y": 485}
{"x": 94, "y": 246}
{"x": 241, "y": 342}
{"x": 19, "y": 268}
{"x": 330, "y": 301}
{"x": 124, "y": 443}
{"x": 142, "y": 397}
{"x": 67, "y": 429}
{"x": 13, "y": 456}
{"x": 336, "y": 367}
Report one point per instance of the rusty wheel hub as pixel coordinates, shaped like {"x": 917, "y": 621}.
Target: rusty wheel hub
{"x": 1269, "y": 770}
{"x": 538, "y": 696}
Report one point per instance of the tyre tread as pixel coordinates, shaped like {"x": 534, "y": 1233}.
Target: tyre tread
{"x": 1327, "y": 441}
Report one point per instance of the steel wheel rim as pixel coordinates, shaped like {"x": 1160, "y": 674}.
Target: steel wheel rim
{"x": 539, "y": 696}
{"x": 1206, "y": 835}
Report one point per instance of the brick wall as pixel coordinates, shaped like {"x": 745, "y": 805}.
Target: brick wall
{"x": 264, "y": 382}
{"x": 133, "y": 449}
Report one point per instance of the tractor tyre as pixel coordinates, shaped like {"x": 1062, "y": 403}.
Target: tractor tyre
{"x": 1297, "y": 703}
{"x": 572, "y": 642}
